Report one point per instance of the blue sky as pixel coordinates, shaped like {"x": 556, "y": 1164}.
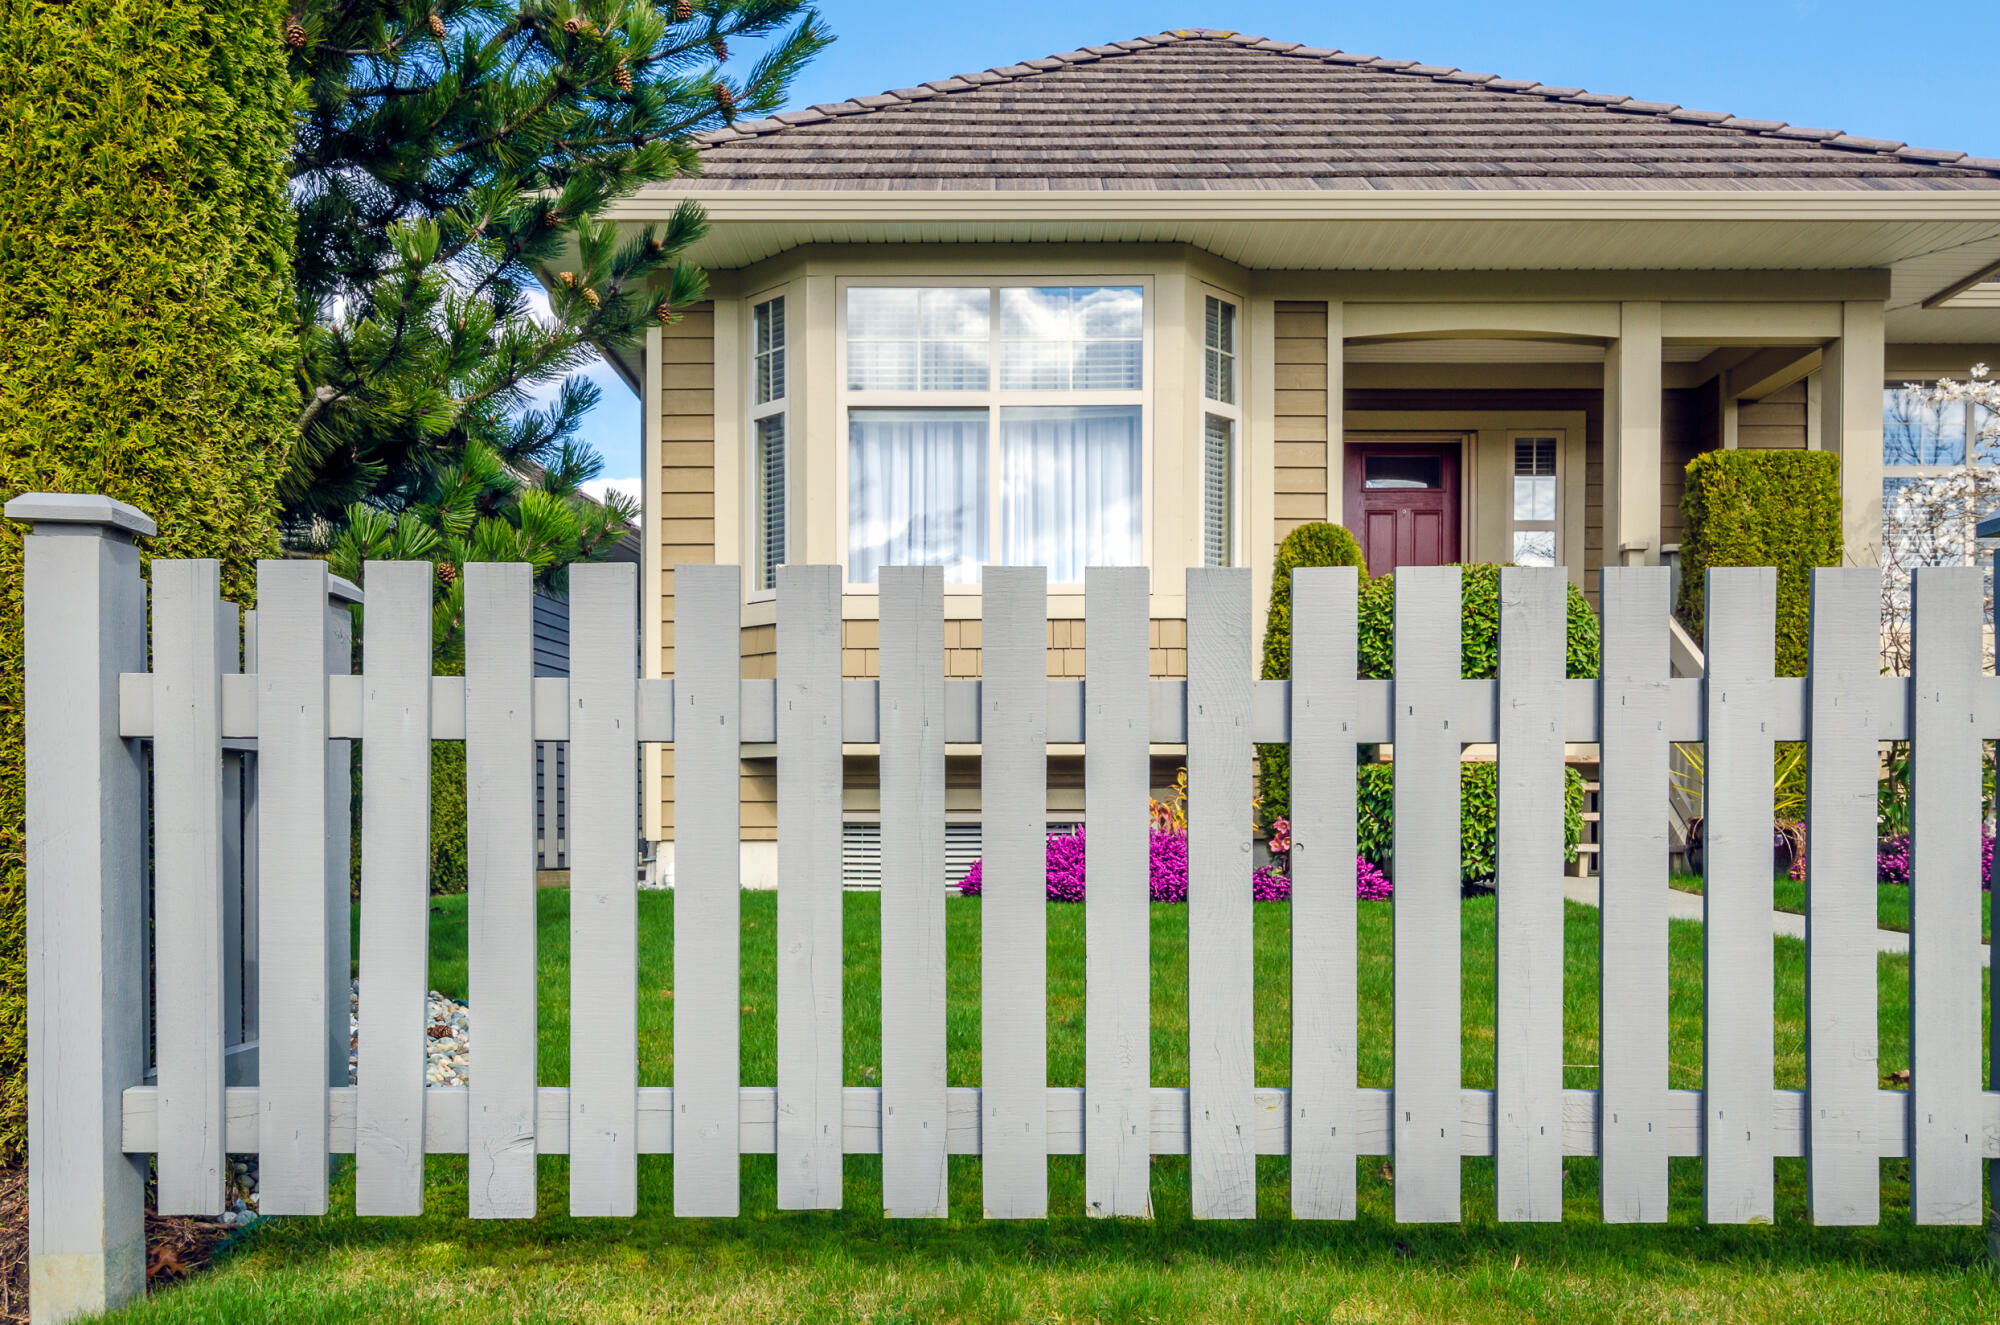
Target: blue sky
{"x": 1923, "y": 71}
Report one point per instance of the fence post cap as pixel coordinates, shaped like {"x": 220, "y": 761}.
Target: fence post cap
{"x": 342, "y": 591}
{"x": 78, "y": 508}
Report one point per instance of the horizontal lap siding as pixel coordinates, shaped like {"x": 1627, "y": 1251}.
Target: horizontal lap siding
{"x": 1299, "y": 477}
{"x": 1775, "y": 423}
{"x": 687, "y": 481}
{"x": 1689, "y": 419}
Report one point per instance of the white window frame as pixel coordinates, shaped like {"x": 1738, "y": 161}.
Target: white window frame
{"x": 1555, "y": 524}
{"x": 753, "y": 468}
{"x": 993, "y": 399}
{"x": 1902, "y": 471}
{"x": 1232, "y": 411}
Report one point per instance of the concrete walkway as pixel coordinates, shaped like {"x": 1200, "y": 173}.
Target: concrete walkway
{"x": 1687, "y": 906}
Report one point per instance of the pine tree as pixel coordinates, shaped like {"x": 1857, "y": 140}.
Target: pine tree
{"x": 448, "y": 152}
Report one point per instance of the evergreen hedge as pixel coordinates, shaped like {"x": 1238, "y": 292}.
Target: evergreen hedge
{"x": 147, "y": 342}
{"x": 1762, "y": 508}
{"x": 1315, "y": 544}
{"x": 1478, "y": 823}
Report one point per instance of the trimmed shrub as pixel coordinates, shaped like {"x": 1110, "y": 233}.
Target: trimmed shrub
{"x": 1479, "y": 639}
{"x": 147, "y": 340}
{"x": 1479, "y": 817}
{"x": 1315, "y": 544}
{"x": 1762, "y": 508}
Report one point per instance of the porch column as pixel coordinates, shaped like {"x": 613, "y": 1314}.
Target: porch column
{"x": 1851, "y": 425}
{"x": 1632, "y": 439}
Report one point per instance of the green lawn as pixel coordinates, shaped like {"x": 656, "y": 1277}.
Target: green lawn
{"x": 1892, "y": 902}
{"x": 853, "y": 1265}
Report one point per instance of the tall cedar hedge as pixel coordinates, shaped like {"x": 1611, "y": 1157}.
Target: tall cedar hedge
{"x": 1762, "y": 508}
{"x": 1315, "y": 544}
{"x": 147, "y": 343}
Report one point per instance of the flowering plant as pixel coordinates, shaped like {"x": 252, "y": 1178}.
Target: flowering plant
{"x": 1167, "y": 872}
{"x": 1933, "y": 520}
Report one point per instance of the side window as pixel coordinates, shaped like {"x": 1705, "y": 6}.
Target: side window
{"x": 1536, "y": 508}
{"x": 1221, "y": 418}
{"x": 769, "y": 425}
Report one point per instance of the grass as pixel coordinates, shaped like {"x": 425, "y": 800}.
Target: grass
{"x": 853, "y": 1265}
{"x": 1892, "y": 902}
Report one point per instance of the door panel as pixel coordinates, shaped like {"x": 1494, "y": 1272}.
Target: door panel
{"x": 1402, "y": 503}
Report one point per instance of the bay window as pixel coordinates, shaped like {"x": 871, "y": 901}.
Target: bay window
{"x": 994, "y": 423}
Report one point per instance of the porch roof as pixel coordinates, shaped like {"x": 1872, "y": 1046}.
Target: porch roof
{"x": 1202, "y": 110}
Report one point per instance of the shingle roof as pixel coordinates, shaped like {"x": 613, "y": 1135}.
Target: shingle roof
{"x": 1202, "y": 109}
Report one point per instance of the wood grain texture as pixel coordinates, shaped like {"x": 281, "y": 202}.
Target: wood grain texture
{"x": 500, "y": 881}
{"x": 1426, "y": 872}
{"x": 1013, "y": 908}
{"x": 1117, "y": 918}
{"x": 395, "y": 889}
{"x": 603, "y": 889}
{"x": 1221, "y": 1036}
{"x": 1632, "y": 915}
{"x": 913, "y": 893}
{"x": 1325, "y": 1013}
{"x": 1947, "y": 609}
{"x": 1843, "y": 1171}
{"x": 1737, "y": 976}
{"x": 707, "y": 891}
{"x": 1528, "y": 991}
{"x": 810, "y": 1155}
{"x": 188, "y": 906}
{"x": 292, "y": 940}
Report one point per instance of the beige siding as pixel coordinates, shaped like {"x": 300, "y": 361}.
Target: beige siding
{"x": 687, "y": 482}
{"x": 1690, "y": 423}
{"x": 1299, "y": 386}
{"x": 1775, "y": 423}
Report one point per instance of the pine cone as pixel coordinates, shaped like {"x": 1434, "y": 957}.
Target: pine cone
{"x": 725, "y": 99}
{"x": 622, "y": 77}
{"x": 568, "y": 278}
{"x": 447, "y": 574}
{"x": 437, "y": 26}
{"x": 570, "y": 26}
{"x": 683, "y": 10}
{"x": 295, "y": 33}
{"x": 665, "y": 313}
{"x": 590, "y": 297}
{"x": 720, "y": 47}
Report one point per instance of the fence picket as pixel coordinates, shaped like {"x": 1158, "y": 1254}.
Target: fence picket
{"x": 1632, "y": 900}
{"x": 395, "y": 889}
{"x": 1738, "y": 968}
{"x": 339, "y": 845}
{"x": 603, "y": 889}
{"x": 1013, "y": 912}
{"x": 1325, "y": 1009}
{"x": 1843, "y": 1169}
{"x": 1117, "y": 775}
{"x": 500, "y": 881}
{"x": 707, "y": 895}
{"x": 1426, "y": 867}
{"x": 1946, "y": 610}
{"x": 1222, "y": 1135}
{"x": 913, "y": 953}
{"x": 1528, "y": 1008}
{"x": 188, "y": 902}
{"x": 810, "y": 1149}
{"x": 292, "y": 940}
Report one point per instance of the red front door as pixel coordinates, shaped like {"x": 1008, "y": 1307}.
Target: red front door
{"x": 1402, "y": 503}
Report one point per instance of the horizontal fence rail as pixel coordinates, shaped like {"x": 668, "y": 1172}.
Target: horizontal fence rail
{"x": 250, "y": 749}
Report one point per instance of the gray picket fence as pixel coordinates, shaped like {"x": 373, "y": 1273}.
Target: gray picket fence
{"x": 97, "y": 715}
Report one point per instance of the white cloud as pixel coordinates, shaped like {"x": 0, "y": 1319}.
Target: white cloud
{"x": 626, "y": 487}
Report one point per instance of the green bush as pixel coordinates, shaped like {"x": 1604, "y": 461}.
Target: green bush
{"x": 448, "y": 851}
{"x": 1762, "y": 508}
{"x": 1315, "y": 544}
{"x": 147, "y": 340}
{"x": 1480, "y": 638}
{"x": 1479, "y": 817}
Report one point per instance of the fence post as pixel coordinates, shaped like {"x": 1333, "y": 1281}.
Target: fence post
{"x": 85, "y": 624}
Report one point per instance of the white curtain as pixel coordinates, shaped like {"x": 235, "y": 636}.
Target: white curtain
{"x": 1070, "y": 488}
{"x": 916, "y": 491}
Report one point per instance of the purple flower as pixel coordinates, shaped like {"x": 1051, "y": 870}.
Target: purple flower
{"x": 1370, "y": 883}
{"x": 972, "y": 884}
{"x": 1892, "y": 860}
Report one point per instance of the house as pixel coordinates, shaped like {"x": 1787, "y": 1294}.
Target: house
{"x": 1162, "y": 300}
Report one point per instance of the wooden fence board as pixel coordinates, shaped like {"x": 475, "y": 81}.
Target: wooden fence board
{"x": 1843, "y": 1172}
{"x": 188, "y": 906}
{"x": 339, "y": 846}
{"x": 500, "y": 878}
{"x": 913, "y": 947}
{"x": 1221, "y": 1032}
{"x": 603, "y": 888}
{"x": 1426, "y": 870}
{"x": 1528, "y": 1009}
{"x": 708, "y": 1014}
{"x": 1013, "y": 910}
{"x": 395, "y": 890}
{"x": 1632, "y": 913}
{"x": 292, "y": 937}
{"x": 1947, "y": 609}
{"x": 1737, "y": 976}
{"x": 1117, "y": 917}
{"x": 810, "y": 1155}
{"x": 1325, "y": 1011}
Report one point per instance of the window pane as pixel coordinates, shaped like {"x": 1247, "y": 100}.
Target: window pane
{"x": 1218, "y": 486}
{"x": 1402, "y": 471}
{"x": 1919, "y": 431}
{"x": 954, "y": 313}
{"x": 770, "y": 376}
{"x": 1221, "y": 333}
{"x": 916, "y": 491}
{"x": 1219, "y": 377}
{"x": 1535, "y": 547}
{"x": 882, "y": 312}
{"x": 1035, "y": 313}
{"x": 954, "y": 365}
{"x": 1069, "y": 489}
{"x": 771, "y": 499}
{"x": 1107, "y": 365}
{"x": 770, "y": 325}
{"x": 1986, "y": 434}
{"x": 1027, "y": 365}
{"x": 1535, "y": 456}
{"x": 1534, "y": 499}
{"x": 882, "y": 365}
{"x": 1109, "y": 310}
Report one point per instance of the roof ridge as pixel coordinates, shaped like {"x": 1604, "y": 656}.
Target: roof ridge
{"x": 1608, "y": 102}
